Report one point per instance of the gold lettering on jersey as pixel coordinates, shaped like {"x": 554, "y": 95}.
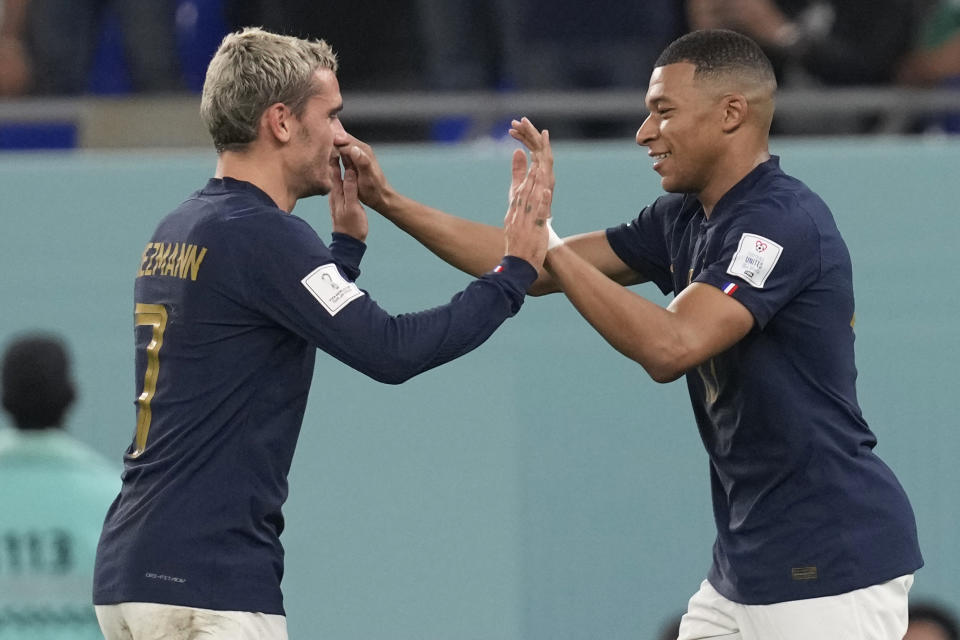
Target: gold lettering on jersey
{"x": 172, "y": 259}
{"x": 160, "y": 261}
{"x": 171, "y": 264}
{"x": 194, "y": 260}
{"x": 804, "y": 573}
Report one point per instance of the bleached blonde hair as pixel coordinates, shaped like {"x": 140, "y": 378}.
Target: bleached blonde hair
{"x": 251, "y": 70}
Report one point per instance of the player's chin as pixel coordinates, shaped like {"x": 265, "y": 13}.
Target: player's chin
{"x": 671, "y": 184}
{"x": 319, "y": 188}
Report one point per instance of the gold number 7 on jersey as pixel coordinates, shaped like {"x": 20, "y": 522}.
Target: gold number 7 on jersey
{"x": 153, "y": 315}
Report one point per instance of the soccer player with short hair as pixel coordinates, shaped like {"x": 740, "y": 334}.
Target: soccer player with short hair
{"x": 234, "y": 295}
{"x": 815, "y": 536}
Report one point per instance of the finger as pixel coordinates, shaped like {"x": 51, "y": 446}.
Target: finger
{"x": 353, "y": 141}
{"x": 547, "y": 198}
{"x": 524, "y": 131}
{"x": 347, "y": 162}
{"x": 525, "y": 198}
{"x": 543, "y": 205}
{"x": 349, "y": 186}
{"x": 518, "y": 170}
{"x": 534, "y": 173}
{"x": 531, "y": 131}
{"x": 335, "y": 175}
{"x": 359, "y": 157}
{"x": 347, "y": 139}
{"x": 539, "y": 208}
{"x": 336, "y": 191}
{"x": 519, "y": 201}
{"x": 546, "y": 157}
{"x": 530, "y": 141}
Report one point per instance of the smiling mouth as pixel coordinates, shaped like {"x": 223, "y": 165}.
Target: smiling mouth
{"x": 661, "y": 156}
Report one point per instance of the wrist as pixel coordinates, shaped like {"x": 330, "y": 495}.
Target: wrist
{"x": 350, "y": 234}
{"x": 553, "y": 240}
{"x": 388, "y": 203}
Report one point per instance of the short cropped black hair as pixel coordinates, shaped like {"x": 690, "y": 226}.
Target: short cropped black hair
{"x": 714, "y": 51}
{"x": 37, "y": 386}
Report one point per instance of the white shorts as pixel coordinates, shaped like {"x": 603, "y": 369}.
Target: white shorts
{"x": 874, "y": 613}
{"x": 151, "y": 621}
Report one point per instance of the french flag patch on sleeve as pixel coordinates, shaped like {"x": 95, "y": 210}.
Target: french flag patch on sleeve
{"x": 498, "y": 268}
{"x": 729, "y": 288}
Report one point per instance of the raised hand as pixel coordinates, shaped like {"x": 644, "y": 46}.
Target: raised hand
{"x": 525, "y": 225}
{"x": 518, "y": 171}
{"x": 372, "y": 186}
{"x": 539, "y": 145}
{"x": 346, "y": 211}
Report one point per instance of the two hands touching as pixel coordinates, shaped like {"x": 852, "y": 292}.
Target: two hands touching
{"x": 347, "y": 213}
{"x": 526, "y": 227}
{"x": 526, "y": 230}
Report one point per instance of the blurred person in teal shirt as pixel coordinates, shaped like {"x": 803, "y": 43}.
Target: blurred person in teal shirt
{"x": 56, "y": 491}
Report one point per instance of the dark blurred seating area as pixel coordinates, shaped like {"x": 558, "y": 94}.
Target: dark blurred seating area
{"x": 84, "y": 48}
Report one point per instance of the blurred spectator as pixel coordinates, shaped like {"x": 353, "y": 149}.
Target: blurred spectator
{"x": 377, "y": 43}
{"x": 930, "y": 621}
{"x": 482, "y": 45}
{"x": 376, "y": 40}
{"x": 49, "y": 46}
{"x": 606, "y": 44}
{"x": 56, "y": 491}
{"x": 831, "y": 42}
{"x": 935, "y": 59}
{"x": 816, "y": 43}
{"x": 14, "y": 61}
{"x": 469, "y": 44}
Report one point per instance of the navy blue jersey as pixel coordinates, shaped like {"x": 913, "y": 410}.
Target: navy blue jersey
{"x": 233, "y": 298}
{"x": 804, "y": 508}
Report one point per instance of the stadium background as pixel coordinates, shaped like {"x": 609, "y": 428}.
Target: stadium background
{"x": 543, "y": 486}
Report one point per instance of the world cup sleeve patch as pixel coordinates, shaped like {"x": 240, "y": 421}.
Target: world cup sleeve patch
{"x": 755, "y": 259}
{"x": 330, "y": 288}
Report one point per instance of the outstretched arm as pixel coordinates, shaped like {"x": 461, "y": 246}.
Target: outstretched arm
{"x": 470, "y": 246}
{"x": 698, "y": 324}
{"x": 332, "y": 312}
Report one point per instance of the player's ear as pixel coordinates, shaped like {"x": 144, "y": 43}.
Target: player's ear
{"x": 277, "y": 121}
{"x": 734, "y": 111}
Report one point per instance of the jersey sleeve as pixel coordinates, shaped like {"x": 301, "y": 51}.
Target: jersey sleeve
{"x": 347, "y": 252}
{"x": 294, "y": 279}
{"x": 767, "y": 256}
{"x": 641, "y": 244}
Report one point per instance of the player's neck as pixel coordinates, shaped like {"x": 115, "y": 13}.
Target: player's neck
{"x": 731, "y": 171}
{"x": 266, "y": 176}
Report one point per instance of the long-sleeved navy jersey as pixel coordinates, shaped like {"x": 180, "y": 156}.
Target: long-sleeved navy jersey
{"x": 804, "y": 507}
{"x": 233, "y": 298}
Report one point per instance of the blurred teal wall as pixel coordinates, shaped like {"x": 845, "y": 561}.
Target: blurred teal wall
{"x": 542, "y": 487}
